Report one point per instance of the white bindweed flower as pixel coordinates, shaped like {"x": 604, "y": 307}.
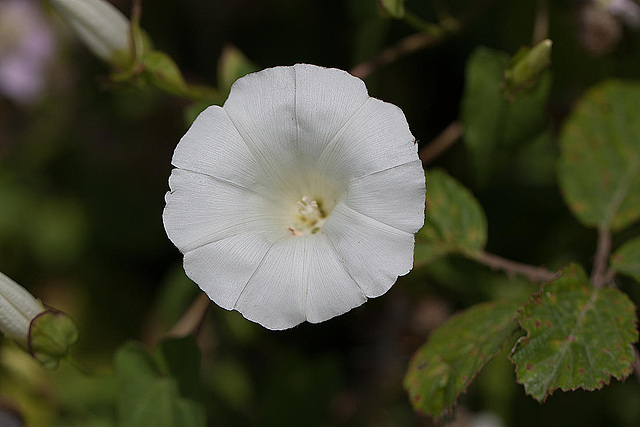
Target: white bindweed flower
{"x": 298, "y": 199}
{"x": 100, "y": 26}
{"x": 17, "y": 309}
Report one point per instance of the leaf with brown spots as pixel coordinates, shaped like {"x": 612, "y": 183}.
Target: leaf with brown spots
{"x": 443, "y": 368}
{"x": 455, "y": 220}
{"x": 577, "y": 336}
{"x": 599, "y": 168}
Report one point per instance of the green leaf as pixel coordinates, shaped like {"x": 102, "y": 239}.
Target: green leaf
{"x": 395, "y": 8}
{"x": 626, "y": 259}
{"x": 51, "y": 333}
{"x": 443, "y": 368}
{"x": 577, "y": 336}
{"x": 599, "y": 168}
{"x": 492, "y": 124}
{"x": 455, "y": 220}
{"x": 232, "y": 65}
{"x": 160, "y": 390}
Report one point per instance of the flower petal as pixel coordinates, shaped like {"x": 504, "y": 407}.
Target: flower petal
{"x": 17, "y": 308}
{"x": 223, "y": 268}
{"x": 201, "y": 209}
{"x": 326, "y": 98}
{"x": 376, "y": 138}
{"x": 213, "y": 146}
{"x": 393, "y": 196}
{"x": 330, "y": 290}
{"x": 374, "y": 254}
{"x": 275, "y": 294}
{"x": 262, "y": 107}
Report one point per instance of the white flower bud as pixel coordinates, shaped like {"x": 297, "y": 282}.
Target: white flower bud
{"x": 17, "y": 309}
{"x": 100, "y": 26}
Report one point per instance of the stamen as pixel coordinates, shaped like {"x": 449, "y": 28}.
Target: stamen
{"x": 310, "y": 217}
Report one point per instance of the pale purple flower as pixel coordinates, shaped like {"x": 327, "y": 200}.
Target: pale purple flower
{"x": 27, "y": 47}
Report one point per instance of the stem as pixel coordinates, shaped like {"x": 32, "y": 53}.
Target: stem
{"x": 420, "y": 24}
{"x": 533, "y": 273}
{"x": 441, "y": 143}
{"x": 192, "y": 320}
{"x": 599, "y": 273}
{"x": 636, "y": 363}
{"x": 83, "y": 368}
{"x": 541, "y": 25}
{"x": 434, "y": 35}
{"x": 389, "y": 55}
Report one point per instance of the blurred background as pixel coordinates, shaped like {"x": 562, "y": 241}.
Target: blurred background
{"x": 84, "y": 165}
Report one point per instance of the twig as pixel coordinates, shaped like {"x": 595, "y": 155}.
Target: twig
{"x": 541, "y": 25}
{"x": 603, "y": 250}
{"x": 441, "y": 143}
{"x": 533, "y": 273}
{"x": 416, "y": 42}
{"x": 192, "y": 319}
{"x": 636, "y": 363}
{"x": 406, "y": 46}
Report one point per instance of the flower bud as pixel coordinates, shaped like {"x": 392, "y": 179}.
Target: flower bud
{"x": 100, "y": 26}
{"x": 17, "y": 309}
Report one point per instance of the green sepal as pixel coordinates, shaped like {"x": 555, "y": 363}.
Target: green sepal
{"x": 526, "y": 67}
{"x": 51, "y": 333}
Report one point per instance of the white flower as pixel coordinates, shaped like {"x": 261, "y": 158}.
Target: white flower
{"x": 17, "y": 309}
{"x": 297, "y": 199}
{"x": 100, "y": 26}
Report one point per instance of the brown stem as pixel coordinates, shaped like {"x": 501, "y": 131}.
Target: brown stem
{"x": 419, "y": 41}
{"x": 441, "y": 143}
{"x": 533, "y": 273}
{"x": 406, "y": 46}
{"x": 636, "y": 362}
{"x": 541, "y": 25}
{"x": 603, "y": 250}
{"x": 192, "y": 319}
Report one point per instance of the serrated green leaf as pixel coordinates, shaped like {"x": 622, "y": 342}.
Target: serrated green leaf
{"x": 443, "y": 368}
{"x": 599, "y": 167}
{"x": 626, "y": 259}
{"x": 492, "y": 124}
{"x": 455, "y": 220}
{"x": 577, "y": 336}
{"x": 160, "y": 390}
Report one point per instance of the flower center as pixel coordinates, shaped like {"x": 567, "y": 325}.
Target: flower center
{"x": 309, "y": 219}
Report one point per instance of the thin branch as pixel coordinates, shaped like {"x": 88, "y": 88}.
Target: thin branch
{"x": 533, "y": 273}
{"x": 441, "y": 143}
{"x": 192, "y": 319}
{"x": 416, "y": 42}
{"x": 601, "y": 258}
{"x": 404, "y": 47}
{"x": 636, "y": 362}
{"x": 541, "y": 25}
